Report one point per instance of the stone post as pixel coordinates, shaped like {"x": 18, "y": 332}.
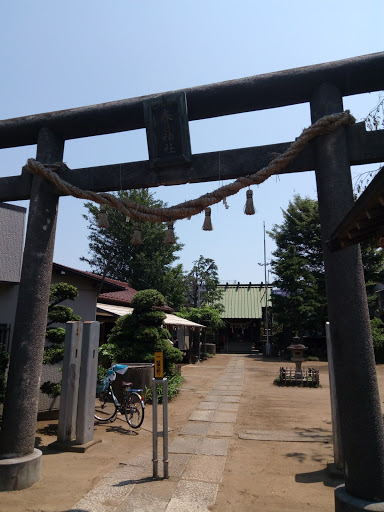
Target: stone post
{"x": 87, "y": 386}
{"x": 361, "y": 424}
{"x": 70, "y": 382}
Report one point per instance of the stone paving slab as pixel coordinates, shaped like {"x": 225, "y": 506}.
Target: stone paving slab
{"x": 220, "y": 429}
{"x": 224, "y": 417}
{"x": 208, "y": 406}
{"x": 230, "y": 392}
{"x": 219, "y": 398}
{"x": 199, "y": 446}
{"x": 185, "y": 445}
{"x": 201, "y": 416}
{"x": 213, "y": 398}
{"x": 150, "y": 496}
{"x": 206, "y": 468}
{"x": 178, "y": 463}
{"x": 195, "y": 428}
{"x": 193, "y": 496}
{"x": 286, "y": 436}
{"x": 86, "y": 504}
{"x": 111, "y": 494}
{"x": 228, "y": 387}
{"x": 229, "y": 407}
{"x": 211, "y": 446}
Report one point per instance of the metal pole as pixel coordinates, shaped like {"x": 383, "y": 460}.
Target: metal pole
{"x": 154, "y": 429}
{"x": 267, "y": 348}
{"x": 358, "y": 400}
{"x": 165, "y": 428}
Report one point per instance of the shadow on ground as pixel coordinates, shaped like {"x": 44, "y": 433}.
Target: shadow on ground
{"x": 121, "y": 430}
{"x": 318, "y": 476}
{"x": 49, "y": 430}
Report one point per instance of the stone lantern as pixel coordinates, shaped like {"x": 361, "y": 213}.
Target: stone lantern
{"x": 298, "y": 358}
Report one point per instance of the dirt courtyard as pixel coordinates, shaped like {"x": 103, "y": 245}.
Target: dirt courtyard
{"x": 273, "y": 475}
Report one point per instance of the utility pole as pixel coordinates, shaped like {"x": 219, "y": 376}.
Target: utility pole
{"x": 266, "y": 320}
{"x": 268, "y": 345}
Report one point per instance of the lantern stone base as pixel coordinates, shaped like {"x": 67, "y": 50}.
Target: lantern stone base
{"x": 20, "y": 472}
{"x": 344, "y": 502}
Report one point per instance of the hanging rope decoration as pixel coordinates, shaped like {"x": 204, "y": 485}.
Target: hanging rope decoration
{"x": 207, "y": 226}
{"x": 141, "y": 213}
{"x": 249, "y": 206}
{"x": 136, "y": 237}
{"x": 102, "y": 219}
{"x": 170, "y": 236}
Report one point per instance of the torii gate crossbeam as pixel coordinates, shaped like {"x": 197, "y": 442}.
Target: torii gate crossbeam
{"x": 324, "y": 87}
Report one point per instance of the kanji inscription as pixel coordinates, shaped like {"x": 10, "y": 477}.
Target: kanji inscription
{"x": 166, "y": 121}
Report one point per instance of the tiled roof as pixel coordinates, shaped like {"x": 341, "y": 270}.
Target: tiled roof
{"x": 109, "y": 284}
{"x": 244, "y": 300}
{"x": 119, "y": 292}
{"x": 121, "y": 297}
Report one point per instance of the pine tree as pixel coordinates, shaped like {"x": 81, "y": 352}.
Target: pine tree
{"x": 135, "y": 337}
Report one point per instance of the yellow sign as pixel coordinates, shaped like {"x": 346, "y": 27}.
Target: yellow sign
{"x": 159, "y": 371}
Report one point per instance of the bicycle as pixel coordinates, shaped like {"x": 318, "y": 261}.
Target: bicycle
{"x": 107, "y": 406}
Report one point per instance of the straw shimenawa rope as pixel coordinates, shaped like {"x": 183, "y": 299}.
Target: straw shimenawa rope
{"x": 192, "y": 207}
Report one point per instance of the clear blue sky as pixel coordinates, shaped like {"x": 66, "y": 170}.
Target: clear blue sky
{"x": 58, "y": 55}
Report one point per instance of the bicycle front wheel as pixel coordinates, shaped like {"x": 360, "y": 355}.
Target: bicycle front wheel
{"x": 134, "y": 410}
{"x": 105, "y": 409}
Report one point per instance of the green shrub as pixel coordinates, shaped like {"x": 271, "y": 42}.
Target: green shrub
{"x": 377, "y": 327}
{"x": 136, "y": 337}
{"x": 52, "y": 389}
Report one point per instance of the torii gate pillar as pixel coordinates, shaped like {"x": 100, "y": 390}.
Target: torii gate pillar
{"x": 358, "y": 399}
{"x": 17, "y": 438}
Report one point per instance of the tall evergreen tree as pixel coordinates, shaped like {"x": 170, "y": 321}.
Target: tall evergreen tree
{"x": 202, "y": 282}
{"x": 146, "y": 266}
{"x": 299, "y": 269}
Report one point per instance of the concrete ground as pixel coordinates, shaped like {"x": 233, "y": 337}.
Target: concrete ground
{"x": 237, "y": 442}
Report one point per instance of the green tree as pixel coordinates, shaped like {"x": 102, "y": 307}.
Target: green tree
{"x": 146, "y": 266}
{"x": 57, "y": 313}
{"x": 202, "y": 282}
{"x": 206, "y": 315}
{"x": 299, "y": 269}
{"x": 136, "y": 337}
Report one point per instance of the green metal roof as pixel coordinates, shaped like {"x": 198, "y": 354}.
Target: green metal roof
{"x": 244, "y": 300}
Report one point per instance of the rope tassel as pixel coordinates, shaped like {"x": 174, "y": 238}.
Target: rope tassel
{"x": 136, "y": 237}
{"x": 170, "y": 236}
{"x": 207, "y": 226}
{"x": 249, "y": 206}
{"x": 102, "y": 219}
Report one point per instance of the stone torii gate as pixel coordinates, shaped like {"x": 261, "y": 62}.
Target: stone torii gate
{"x": 323, "y": 86}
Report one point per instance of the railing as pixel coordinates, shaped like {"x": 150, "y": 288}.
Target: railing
{"x": 291, "y": 376}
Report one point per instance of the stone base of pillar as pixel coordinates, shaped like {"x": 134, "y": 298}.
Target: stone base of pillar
{"x": 71, "y": 446}
{"x": 334, "y": 472}
{"x": 344, "y": 502}
{"x": 21, "y": 472}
